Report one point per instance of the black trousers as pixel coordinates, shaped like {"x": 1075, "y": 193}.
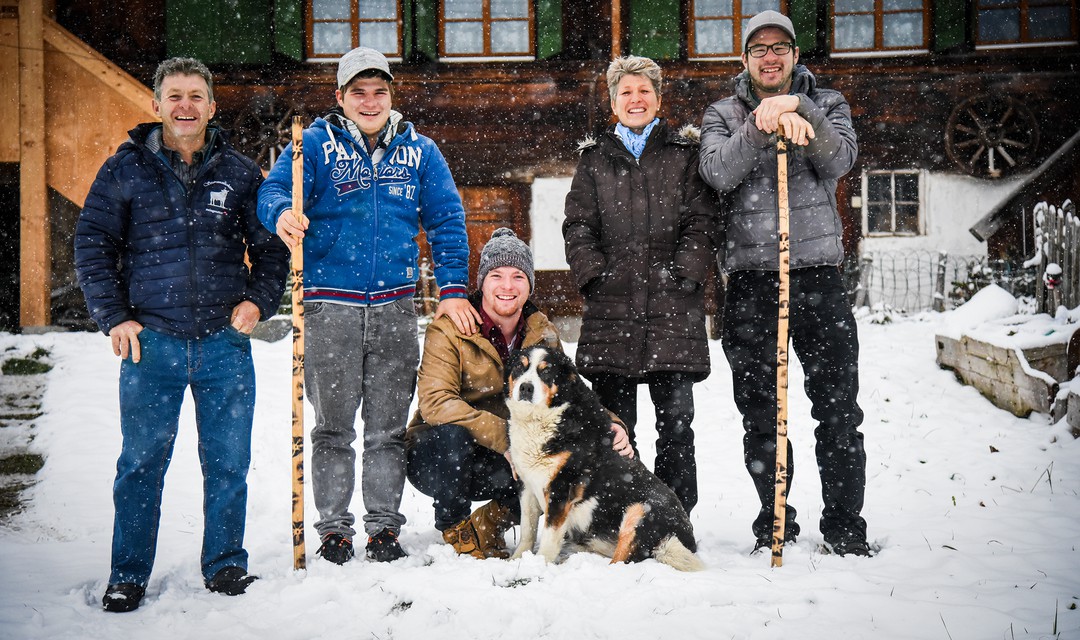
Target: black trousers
{"x": 673, "y": 396}
{"x": 824, "y": 335}
{"x": 446, "y": 463}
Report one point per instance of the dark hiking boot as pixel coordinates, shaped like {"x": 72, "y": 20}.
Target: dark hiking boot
{"x": 122, "y": 597}
{"x": 857, "y": 548}
{"x": 384, "y": 547}
{"x": 766, "y": 543}
{"x": 232, "y": 581}
{"x": 336, "y": 548}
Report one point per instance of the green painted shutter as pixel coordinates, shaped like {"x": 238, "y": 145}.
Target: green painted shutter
{"x": 289, "y": 28}
{"x": 192, "y": 29}
{"x": 197, "y": 28}
{"x": 548, "y": 28}
{"x": 247, "y": 25}
{"x": 655, "y": 29}
{"x": 427, "y": 30}
{"x": 803, "y": 14}
{"x": 949, "y": 24}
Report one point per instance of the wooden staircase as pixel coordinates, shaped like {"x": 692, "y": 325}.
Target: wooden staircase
{"x": 69, "y": 111}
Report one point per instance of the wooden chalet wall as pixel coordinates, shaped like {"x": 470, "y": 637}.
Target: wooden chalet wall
{"x": 502, "y": 124}
{"x": 65, "y": 110}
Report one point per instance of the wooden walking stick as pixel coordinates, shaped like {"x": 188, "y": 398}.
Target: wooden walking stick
{"x": 299, "y": 553}
{"x": 783, "y": 224}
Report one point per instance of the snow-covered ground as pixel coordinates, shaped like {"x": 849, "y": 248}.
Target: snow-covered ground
{"x": 975, "y": 512}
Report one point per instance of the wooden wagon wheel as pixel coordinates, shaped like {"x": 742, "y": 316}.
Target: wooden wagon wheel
{"x": 263, "y": 130}
{"x": 992, "y": 136}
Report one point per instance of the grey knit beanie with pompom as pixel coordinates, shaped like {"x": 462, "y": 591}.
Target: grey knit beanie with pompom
{"x": 505, "y": 249}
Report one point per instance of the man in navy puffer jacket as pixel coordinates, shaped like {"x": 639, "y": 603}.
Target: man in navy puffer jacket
{"x": 159, "y": 251}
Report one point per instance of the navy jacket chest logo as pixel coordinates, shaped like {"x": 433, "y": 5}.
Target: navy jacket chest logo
{"x": 218, "y": 192}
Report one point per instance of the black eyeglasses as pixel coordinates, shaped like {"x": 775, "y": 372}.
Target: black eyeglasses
{"x": 779, "y": 48}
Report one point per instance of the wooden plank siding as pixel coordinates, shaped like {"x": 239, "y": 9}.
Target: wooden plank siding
{"x": 74, "y": 73}
{"x": 502, "y": 124}
{"x": 35, "y": 266}
{"x": 9, "y": 72}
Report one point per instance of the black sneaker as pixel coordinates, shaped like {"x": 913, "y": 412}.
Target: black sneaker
{"x": 231, "y": 581}
{"x": 122, "y": 597}
{"x": 336, "y": 548}
{"x": 766, "y": 543}
{"x": 384, "y": 547}
{"x": 857, "y": 548}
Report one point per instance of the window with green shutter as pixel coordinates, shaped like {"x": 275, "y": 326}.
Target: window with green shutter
{"x": 334, "y": 27}
{"x": 488, "y": 29}
{"x": 1006, "y": 23}
{"x": 880, "y": 26}
{"x": 716, "y": 26}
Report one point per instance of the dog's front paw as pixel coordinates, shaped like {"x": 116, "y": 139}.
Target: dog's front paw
{"x": 520, "y": 551}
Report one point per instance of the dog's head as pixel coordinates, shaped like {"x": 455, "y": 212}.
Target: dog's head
{"x": 537, "y": 375}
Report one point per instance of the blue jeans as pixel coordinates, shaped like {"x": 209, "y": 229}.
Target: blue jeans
{"x": 220, "y": 372}
{"x": 446, "y": 464}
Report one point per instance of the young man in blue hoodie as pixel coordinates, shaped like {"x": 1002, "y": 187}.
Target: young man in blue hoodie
{"x": 370, "y": 183}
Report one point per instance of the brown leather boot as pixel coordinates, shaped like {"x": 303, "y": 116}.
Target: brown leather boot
{"x": 481, "y": 534}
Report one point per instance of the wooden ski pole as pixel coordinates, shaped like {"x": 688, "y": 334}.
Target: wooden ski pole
{"x": 299, "y": 552}
{"x": 784, "y": 242}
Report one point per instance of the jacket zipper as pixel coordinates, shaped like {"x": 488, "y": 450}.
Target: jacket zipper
{"x": 375, "y": 234}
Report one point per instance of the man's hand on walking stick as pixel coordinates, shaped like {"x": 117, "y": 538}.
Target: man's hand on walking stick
{"x": 289, "y": 230}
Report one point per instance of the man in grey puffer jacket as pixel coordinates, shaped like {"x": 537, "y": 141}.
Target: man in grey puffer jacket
{"x": 738, "y": 158}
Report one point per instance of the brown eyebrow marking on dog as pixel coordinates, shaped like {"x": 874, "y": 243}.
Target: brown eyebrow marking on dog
{"x": 550, "y": 391}
{"x": 525, "y": 361}
{"x": 576, "y": 495}
{"x": 628, "y": 533}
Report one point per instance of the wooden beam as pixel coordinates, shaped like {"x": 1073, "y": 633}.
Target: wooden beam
{"x": 35, "y": 262}
{"x": 99, "y": 67}
{"x": 616, "y": 28}
{"x": 77, "y": 145}
{"x": 9, "y": 77}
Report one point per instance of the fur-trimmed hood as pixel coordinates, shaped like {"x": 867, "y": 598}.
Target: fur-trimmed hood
{"x": 689, "y": 135}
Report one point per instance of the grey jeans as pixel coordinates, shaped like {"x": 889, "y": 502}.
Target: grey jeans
{"x": 359, "y": 355}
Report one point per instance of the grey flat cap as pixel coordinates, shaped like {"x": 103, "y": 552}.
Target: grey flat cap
{"x": 764, "y": 19}
{"x": 361, "y": 59}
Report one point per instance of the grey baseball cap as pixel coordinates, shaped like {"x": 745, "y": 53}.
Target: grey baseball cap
{"x": 764, "y": 19}
{"x": 361, "y": 59}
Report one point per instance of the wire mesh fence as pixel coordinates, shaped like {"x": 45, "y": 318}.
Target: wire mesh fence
{"x": 913, "y": 281}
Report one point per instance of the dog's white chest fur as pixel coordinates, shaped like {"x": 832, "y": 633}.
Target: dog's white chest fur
{"x": 531, "y": 427}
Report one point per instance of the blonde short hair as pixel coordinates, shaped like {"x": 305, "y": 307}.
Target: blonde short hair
{"x": 632, "y": 65}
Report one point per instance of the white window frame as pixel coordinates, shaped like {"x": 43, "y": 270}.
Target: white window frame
{"x": 864, "y": 204}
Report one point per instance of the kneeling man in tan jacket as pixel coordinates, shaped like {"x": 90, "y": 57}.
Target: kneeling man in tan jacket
{"x": 457, "y": 441}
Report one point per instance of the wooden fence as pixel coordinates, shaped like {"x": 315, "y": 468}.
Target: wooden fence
{"x": 1057, "y": 256}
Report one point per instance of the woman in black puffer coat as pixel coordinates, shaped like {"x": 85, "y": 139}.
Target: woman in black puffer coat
{"x": 639, "y": 231}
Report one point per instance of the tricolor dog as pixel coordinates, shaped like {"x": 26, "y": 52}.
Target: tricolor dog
{"x": 560, "y": 444}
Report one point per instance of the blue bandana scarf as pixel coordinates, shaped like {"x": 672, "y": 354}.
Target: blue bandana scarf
{"x": 635, "y": 143}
